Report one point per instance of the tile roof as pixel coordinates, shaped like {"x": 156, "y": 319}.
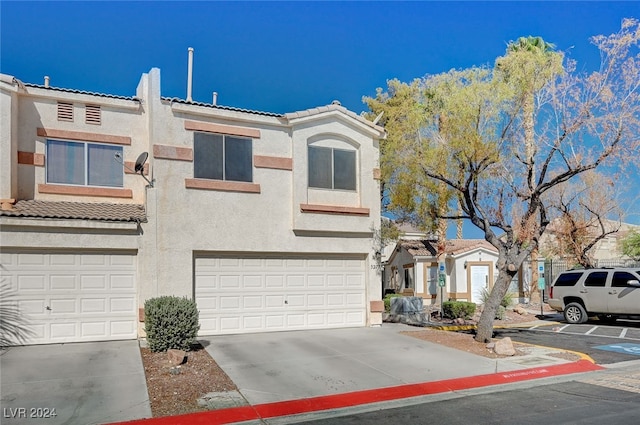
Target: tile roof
{"x": 458, "y": 246}
{"x": 335, "y": 106}
{"x": 421, "y": 248}
{"x": 427, "y": 248}
{"x": 77, "y": 210}
{"x": 224, "y": 108}
{"x": 90, "y": 93}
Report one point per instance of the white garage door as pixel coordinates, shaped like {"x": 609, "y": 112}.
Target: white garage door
{"x": 74, "y": 297}
{"x": 263, "y": 294}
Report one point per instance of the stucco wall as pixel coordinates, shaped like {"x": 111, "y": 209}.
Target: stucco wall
{"x": 183, "y": 220}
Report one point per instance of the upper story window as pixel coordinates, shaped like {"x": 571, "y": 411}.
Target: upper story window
{"x": 222, "y": 157}
{"x": 83, "y": 164}
{"x": 331, "y": 168}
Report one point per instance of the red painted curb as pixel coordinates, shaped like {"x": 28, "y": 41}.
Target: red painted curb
{"x": 356, "y": 398}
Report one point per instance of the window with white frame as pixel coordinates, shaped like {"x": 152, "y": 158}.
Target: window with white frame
{"x": 222, "y": 157}
{"x": 331, "y": 168}
{"x": 83, "y": 164}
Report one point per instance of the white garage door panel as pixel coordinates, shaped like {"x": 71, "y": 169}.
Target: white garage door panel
{"x": 239, "y": 295}
{"x": 74, "y": 297}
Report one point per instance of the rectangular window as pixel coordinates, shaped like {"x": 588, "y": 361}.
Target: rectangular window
{"x": 221, "y": 157}
{"x": 331, "y": 168}
{"x": 83, "y": 164}
{"x": 598, "y": 279}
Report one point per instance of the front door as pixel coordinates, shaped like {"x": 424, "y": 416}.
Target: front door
{"x": 479, "y": 281}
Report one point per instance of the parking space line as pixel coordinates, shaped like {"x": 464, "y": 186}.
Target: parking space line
{"x": 623, "y": 332}
{"x": 563, "y": 328}
{"x": 591, "y": 330}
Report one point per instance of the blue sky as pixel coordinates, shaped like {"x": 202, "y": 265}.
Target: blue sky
{"x": 281, "y": 56}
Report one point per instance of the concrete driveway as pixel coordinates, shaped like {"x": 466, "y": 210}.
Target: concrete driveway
{"x": 271, "y": 367}
{"x": 86, "y": 383}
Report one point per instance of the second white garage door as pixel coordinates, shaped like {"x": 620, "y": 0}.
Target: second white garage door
{"x": 263, "y": 294}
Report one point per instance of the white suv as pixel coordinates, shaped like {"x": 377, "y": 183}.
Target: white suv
{"x": 608, "y": 293}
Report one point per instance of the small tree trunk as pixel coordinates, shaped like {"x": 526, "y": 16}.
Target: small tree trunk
{"x": 485, "y": 324}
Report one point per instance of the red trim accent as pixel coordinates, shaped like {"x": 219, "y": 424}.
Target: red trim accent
{"x": 60, "y": 189}
{"x": 333, "y": 209}
{"x": 172, "y": 152}
{"x": 86, "y": 137}
{"x": 222, "y": 129}
{"x": 338, "y": 401}
{"x": 225, "y": 186}
{"x": 30, "y": 158}
{"x": 277, "y": 163}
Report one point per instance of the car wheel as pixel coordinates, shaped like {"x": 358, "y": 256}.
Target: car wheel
{"x": 575, "y": 313}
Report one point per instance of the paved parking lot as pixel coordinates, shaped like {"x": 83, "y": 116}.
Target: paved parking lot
{"x": 620, "y": 330}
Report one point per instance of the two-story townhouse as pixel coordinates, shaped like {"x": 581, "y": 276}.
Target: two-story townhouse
{"x": 264, "y": 219}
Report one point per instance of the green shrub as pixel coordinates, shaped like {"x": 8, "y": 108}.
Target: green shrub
{"x": 170, "y": 322}
{"x": 507, "y": 300}
{"x": 500, "y": 312}
{"x": 387, "y": 301}
{"x": 458, "y": 309}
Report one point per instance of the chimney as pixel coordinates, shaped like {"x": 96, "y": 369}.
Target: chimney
{"x": 46, "y": 81}
{"x": 215, "y": 98}
{"x": 190, "y": 75}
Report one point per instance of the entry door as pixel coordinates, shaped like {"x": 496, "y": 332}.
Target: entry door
{"x": 479, "y": 281}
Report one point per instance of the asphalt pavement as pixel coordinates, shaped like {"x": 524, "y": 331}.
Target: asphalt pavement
{"x": 279, "y": 375}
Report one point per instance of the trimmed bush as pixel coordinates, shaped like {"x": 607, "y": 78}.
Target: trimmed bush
{"x": 458, "y": 309}
{"x": 171, "y": 322}
{"x": 387, "y": 301}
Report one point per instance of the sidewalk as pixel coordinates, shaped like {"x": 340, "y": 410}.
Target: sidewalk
{"x": 295, "y": 373}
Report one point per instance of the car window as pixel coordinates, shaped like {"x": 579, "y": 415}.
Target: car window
{"x": 596, "y": 279}
{"x": 620, "y": 279}
{"x": 567, "y": 279}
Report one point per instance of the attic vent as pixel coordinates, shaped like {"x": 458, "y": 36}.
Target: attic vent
{"x": 93, "y": 114}
{"x": 65, "y": 111}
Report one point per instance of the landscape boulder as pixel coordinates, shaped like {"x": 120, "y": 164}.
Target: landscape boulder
{"x": 504, "y": 347}
{"x": 176, "y": 357}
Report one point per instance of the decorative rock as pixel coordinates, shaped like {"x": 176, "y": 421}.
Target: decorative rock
{"x": 491, "y": 345}
{"x": 400, "y": 305}
{"x": 176, "y": 357}
{"x": 521, "y": 311}
{"x": 459, "y": 321}
{"x": 504, "y": 347}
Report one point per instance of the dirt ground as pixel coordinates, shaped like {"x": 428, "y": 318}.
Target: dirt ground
{"x": 175, "y": 391}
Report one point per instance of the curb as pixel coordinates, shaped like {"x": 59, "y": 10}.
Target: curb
{"x": 356, "y": 398}
{"x": 524, "y": 325}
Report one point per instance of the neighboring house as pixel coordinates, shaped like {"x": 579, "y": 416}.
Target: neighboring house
{"x": 469, "y": 268}
{"x": 264, "y": 219}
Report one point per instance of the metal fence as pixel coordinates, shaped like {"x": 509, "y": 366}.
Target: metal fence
{"x": 553, "y": 268}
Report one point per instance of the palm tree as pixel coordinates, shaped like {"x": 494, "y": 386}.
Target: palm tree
{"x": 528, "y": 64}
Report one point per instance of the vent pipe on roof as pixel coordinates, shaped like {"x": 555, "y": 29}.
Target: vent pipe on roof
{"x": 215, "y": 98}
{"x": 190, "y": 75}
{"x": 46, "y": 81}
